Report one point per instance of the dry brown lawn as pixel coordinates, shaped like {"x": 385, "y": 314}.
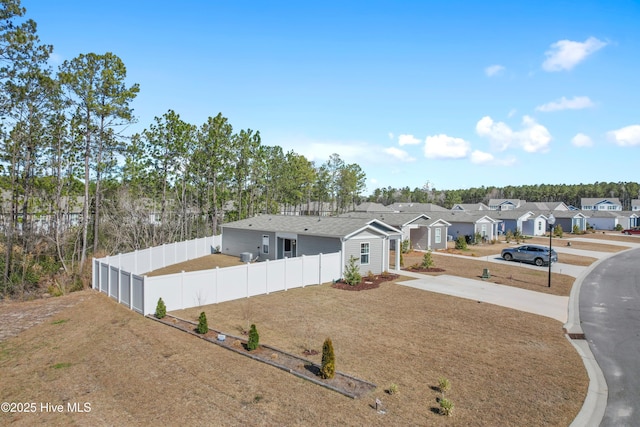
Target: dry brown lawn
{"x": 506, "y": 367}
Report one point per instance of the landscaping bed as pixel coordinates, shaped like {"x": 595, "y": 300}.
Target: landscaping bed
{"x": 342, "y": 383}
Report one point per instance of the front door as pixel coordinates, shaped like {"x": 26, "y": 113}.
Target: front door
{"x": 288, "y": 248}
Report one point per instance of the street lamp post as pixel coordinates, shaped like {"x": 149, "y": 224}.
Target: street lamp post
{"x": 551, "y": 220}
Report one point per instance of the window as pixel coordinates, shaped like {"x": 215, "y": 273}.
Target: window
{"x": 364, "y": 253}
{"x": 265, "y": 244}
{"x": 438, "y": 236}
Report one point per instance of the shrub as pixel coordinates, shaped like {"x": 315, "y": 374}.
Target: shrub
{"x": 557, "y": 231}
{"x": 328, "y": 368}
{"x": 461, "y": 243}
{"x": 254, "y": 338}
{"x": 406, "y": 244}
{"x": 508, "y": 236}
{"x": 517, "y": 235}
{"x": 393, "y": 388}
{"x": 352, "y": 274}
{"x": 619, "y": 227}
{"x": 444, "y": 385}
{"x": 203, "y": 327}
{"x": 576, "y": 229}
{"x": 446, "y": 407}
{"x": 161, "y": 309}
{"x": 427, "y": 260}
{"x": 477, "y": 238}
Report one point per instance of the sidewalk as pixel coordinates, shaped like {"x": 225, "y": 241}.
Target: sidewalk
{"x": 564, "y": 309}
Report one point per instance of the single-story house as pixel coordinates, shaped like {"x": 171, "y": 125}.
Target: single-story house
{"x": 609, "y": 220}
{"x": 469, "y": 223}
{"x": 424, "y": 231}
{"x": 512, "y": 220}
{"x": 272, "y": 237}
{"x": 569, "y": 219}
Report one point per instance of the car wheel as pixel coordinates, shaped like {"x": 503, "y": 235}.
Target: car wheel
{"x": 539, "y": 262}
{"x": 508, "y": 257}
{"x": 627, "y": 233}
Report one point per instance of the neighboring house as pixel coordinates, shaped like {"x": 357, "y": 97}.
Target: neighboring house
{"x": 470, "y": 223}
{"x": 470, "y": 207}
{"x": 43, "y": 215}
{"x": 271, "y": 237}
{"x": 372, "y": 207}
{"x": 511, "y": 220}
{"x": 423, "y": 231}
{"x": 607, "y": 220}
{"x": 570, "y": 219}
{"x": 417, "y": 207}
{"x": 606, "y": 204}
{"x": 505, "y": 204}
{"x": 635, "y": 205}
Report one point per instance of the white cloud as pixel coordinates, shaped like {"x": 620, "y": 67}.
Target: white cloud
{"x": 499, "y": 133}
{"x": 577, "y": 103}
{"x": 408, "y": 140}
{"x": 493, "y": 70}
{"x": 391, "y": 136}
{"x": 532, "y": 138}
{"x": 581, "y": 140}
{"x": 399, "y": 154}
{"x": 566, "y": 54}
{"x": 626, "y": 137}
{"x": 446, "y": 147}
{"x": 480, "y": 157}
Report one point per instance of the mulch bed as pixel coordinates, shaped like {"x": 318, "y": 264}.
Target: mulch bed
{"x": 302, "y": 368}
{"x": 366, "y": 283}
{"x": 425, "y": 270}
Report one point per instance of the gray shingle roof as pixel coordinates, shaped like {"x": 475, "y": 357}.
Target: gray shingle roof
{"x": 300, "y": 224}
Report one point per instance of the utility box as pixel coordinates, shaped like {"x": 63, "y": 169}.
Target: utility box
{"x": 246, "y": 257}
{"x": 485, "y": 273}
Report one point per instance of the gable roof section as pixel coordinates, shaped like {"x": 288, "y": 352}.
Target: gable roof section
{"x": 416, "y": 207}
{"x": 311, "y": 225}
{"x": 594, "y": 201}
{"x": 372, "y": 207}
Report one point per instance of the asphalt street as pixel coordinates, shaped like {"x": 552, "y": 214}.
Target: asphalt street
{"x": 610, "y": 318}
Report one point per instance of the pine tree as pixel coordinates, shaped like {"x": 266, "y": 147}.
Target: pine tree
{"x": 254, "y": 338}
{"x": 328, "y": 368}
{"x": 161, "y": 309}
{"x": 203, "y": 327}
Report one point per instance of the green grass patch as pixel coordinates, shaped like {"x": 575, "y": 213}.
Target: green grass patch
{"x": 61, "y": 365}
{"x": 59, "y": 322}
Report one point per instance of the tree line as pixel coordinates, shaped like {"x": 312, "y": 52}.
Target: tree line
{"x": 571, "y": 194}
{"x": 64, "y": 153}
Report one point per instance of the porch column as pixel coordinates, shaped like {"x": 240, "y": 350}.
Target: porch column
{"x": 398, "y": 250}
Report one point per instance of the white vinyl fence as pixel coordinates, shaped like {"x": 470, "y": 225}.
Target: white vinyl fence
{"x": 121, "y": 276}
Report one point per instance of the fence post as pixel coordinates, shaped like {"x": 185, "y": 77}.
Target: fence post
{"x": 217, "y": 283}
{"x": 285, "y": 273}
{"x": 119, "y": 285}
{"x": 246, "y": 278}
{"x": 182, "y": 290}
{"x": 320, "y": 268}
{"x": 266, "y": 276}
{"x": 135, "y": 261}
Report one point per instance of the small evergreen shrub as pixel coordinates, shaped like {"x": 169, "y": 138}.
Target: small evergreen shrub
{"x": 477, "y": 238}
{"x": 444, "y": 385}
{"x": 393, "y": 388}
{"x": 446, "y": 407}
{"x": 254, "y": 338}
{"x": 508, "y": 236}
{"x": 557, "y": 231}
{"x": 427, "y": 260}
{"x": 328, "y": 368}
{"x": 203, "y": 326}
{"x": 461, "y": 243}
{"x": 406, "y": 244}
{"x": 161, "y": 309}
{"x": 576, "y": 229}
{"x": 352, "y": 274}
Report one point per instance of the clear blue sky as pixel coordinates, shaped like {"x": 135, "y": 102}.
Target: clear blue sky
{"x": 456, "y": 93}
